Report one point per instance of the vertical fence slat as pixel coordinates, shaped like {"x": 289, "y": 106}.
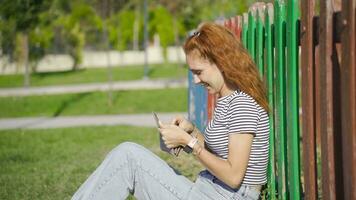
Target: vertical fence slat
{"x": 348, "y": 97}
{"x": 308, "y": 106}
{"x": 259, "y": 37}
{"x": 244, "y": 34}
{"x": 270, "y": 82}
{"x": 211, "y": 106}
{"x": 252, "y": 32}
{"x": 329, "y": 97}
{"x": 292, "y": 100}
{"x": 280, "y": 116}
{"x": 197, "y": 103}
{"x": 238, "y": 26}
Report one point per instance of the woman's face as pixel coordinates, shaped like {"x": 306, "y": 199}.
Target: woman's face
{"x": 206, "y": 74}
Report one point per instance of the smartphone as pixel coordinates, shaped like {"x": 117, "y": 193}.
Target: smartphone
{"x": 156, "y": 119}
{"x": 163, "y": 146}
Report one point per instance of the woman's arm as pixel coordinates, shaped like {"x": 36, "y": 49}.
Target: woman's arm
{"x": 197, "y": 134}
{"x": 232, "y": 170}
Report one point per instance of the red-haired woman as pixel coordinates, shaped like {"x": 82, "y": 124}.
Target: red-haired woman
{"x": 233, "y": 148}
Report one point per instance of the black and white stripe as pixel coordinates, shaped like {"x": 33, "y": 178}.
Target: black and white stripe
{"x": 239, "y": 113}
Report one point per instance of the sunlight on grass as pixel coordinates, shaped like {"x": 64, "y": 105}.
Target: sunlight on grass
{"x": 93, "y": 75}
{"x": 52, "y": 164}
{"x": 124, "y": 102}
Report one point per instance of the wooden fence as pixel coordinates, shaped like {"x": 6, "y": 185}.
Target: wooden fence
{"x": 305, "y": 51}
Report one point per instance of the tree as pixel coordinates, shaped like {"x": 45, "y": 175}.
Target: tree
{"x": 121, "y": 29}
{"x": 161, "y": 22}
{"x": 74, "y": 27}
{"x": 23, "y": 16}
{"x": 176, "y": 9}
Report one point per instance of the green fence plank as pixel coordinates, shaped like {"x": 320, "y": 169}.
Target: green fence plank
{"x": 292, "y": 100}
{"x": 259, "y": 39}
{"x": 270, "y": 82}
{"x": 244, "y": 34}
{"x": 252, "y": 34}
{"x": 280, "y": 115}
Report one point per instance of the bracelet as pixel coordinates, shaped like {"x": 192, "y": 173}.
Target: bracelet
{"x": 197, "y": 150}
{"x": 192, "y": 142}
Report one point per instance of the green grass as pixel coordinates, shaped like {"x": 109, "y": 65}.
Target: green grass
{"x": 95, "y": 75}
{"x": 52, "y": 164}
{"x": 124, "y": 102}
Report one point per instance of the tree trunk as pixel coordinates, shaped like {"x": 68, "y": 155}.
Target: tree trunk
{"x": 105, "y": 14}
{"x": 25, "y": 59}
{"x": 176, "y": 39}
{"x": 136, "y": 29}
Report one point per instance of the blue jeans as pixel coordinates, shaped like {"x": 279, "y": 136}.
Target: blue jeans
{"x": 131, "y": 168}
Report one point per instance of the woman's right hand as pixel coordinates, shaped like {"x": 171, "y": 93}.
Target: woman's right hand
{"x": 183, "y": 123}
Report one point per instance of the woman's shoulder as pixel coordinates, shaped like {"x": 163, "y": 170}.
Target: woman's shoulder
{"x": 242, "y": 100}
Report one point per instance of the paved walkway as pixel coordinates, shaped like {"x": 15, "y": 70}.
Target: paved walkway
{"x": 73, "y": 121}
{"x": 89, "y": 87}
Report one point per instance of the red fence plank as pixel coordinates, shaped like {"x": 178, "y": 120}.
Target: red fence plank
{"x": 332, "y": 185}
{"x": 348, "y": 97}
{"x": 308, "y": 95}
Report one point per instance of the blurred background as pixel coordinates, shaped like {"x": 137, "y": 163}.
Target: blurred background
{"x": 77, "y": 33}
{"x": 78, "y": 77}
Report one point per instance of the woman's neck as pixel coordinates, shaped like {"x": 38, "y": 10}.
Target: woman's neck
{"x": 225, "y": 91}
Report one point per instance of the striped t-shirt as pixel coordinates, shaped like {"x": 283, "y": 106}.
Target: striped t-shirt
{"x": 239, "y": 113}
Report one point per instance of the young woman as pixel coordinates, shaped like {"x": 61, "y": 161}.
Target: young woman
{"x": 233, "y": 148}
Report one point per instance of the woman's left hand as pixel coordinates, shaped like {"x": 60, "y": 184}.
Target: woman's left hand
{"x": 173, "y": 136}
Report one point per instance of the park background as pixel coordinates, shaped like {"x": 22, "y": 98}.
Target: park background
{"x": 120, "y": 63}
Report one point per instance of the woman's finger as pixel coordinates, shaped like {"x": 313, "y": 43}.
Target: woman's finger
{"x": 174, "y": 121}
{"x": 161, "y": 124}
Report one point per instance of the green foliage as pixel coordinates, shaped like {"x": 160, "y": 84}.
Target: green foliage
{"x": 24, "y": 12}
{"x": 86, "y": 16}
{"x": 18, "y": 19}
{"x": 161, "y": 22}
{"x": 19, "y": 51}
{"x": 75, "y": 39}
{"x": 8, "y": 36}
{"x": 121, "y": 29}
{"x": 226, "y": 8}
{"x": 73, "y": 28}
{"x": 80, "y": 26}
{"x": 40, "y": 39}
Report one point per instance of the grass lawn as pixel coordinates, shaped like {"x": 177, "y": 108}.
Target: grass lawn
{"x": 52, "y": 164}
{"x": 124, "y": 102}
{"x": 95, "y": 75}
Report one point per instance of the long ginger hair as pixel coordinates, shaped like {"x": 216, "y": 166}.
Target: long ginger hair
{"x": 221, "y": 47}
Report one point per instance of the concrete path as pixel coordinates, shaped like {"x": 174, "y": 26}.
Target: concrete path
{"x": 73, "y": 121}
{"x": 89, "y": 87}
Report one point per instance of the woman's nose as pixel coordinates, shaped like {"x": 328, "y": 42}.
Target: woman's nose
{"x": 196, "y": 79}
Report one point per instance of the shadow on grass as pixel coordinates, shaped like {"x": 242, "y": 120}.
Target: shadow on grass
{"x": 66, "y": 103}
{"x": 59, "y": 73}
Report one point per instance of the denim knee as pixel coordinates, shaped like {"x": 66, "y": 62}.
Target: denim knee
{"x": 126, "y": 148}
